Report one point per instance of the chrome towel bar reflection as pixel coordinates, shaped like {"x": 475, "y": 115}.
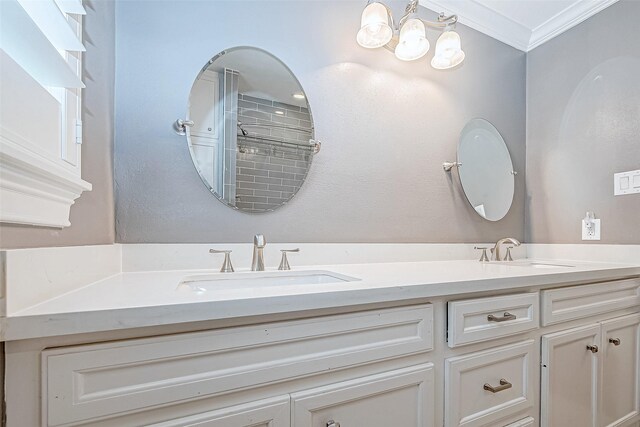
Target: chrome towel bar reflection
{"x": 273, "y": 125}
{"x": 314, "y": 145}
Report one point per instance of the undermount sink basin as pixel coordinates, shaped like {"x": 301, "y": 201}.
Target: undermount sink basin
{"x": 212, "y": 282}
{"x": 536, "y": 264}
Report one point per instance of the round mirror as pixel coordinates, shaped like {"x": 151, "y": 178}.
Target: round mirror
{"x": 251, "y": 131}
{"x": 486, "y": 172}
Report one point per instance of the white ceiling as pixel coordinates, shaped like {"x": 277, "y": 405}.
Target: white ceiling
{"x": 523, "y": 24}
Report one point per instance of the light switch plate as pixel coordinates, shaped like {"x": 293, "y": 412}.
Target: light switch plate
{"x": 626, "y": 183}
{"x": 594, "y": 234}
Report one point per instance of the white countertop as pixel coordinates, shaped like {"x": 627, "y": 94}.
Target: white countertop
{"x": 140, "y": 299}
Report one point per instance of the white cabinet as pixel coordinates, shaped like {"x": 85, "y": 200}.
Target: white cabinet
{"x": 204, "y": 105}
{"x": 484, "y": 319}
{"x": 266, "y": 413}
{"x": 206, "y": 136}
{"x": 570, "y": 377}
{"x": 590, "y": 374}
{"x": 86, "y": 383}
{"x": 485, "y": 387}
{"x": 620, "y": 391}
{"x": 575, "y": 302}
{"x": 400, "y": 398}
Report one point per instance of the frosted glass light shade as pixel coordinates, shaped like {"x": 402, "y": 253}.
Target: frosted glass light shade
{"x": 374, "y": 26}
{"x": 448, "y": 51}
{"x": 413, "y": 43}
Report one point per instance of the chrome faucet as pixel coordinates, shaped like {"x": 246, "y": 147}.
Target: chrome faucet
{"x": 257, "y": 263}
{"x": 496, "y": 249}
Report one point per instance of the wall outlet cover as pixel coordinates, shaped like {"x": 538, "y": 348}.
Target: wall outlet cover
{"x": 591, "y": 233}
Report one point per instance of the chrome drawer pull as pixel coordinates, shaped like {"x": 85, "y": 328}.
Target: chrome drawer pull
{"x": 504, "y": 384}
{"x": 332, "y": 423}
{"x": 504, "y": 318}
{"x": 592, "y": 348}
{"x": 615, "y": 341}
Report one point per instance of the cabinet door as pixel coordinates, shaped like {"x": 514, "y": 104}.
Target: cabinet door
{"x": 204, "y": 105}
{"x": 620, "y": 394}
{"x": 265, "y": 413}
{"x": 485, "y": 387}
{"x": 400, "y": 398}
{"x": 570, "y": 377}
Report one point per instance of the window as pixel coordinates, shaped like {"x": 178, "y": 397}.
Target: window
{"x": 40, "y": 105}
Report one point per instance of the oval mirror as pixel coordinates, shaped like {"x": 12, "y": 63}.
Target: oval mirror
{"x": 251, "y": 136}
{"x": 486, "y": 171}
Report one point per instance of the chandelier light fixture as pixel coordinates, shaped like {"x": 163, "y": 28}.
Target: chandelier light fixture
{"x": 408, "y": 40}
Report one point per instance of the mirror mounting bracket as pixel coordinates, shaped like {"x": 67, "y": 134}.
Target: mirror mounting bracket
{"x": 447, "y": 166}
{"x": 180, "y": 126}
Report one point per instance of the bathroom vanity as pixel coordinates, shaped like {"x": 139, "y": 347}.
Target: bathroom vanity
{"x": 452, "y": 343}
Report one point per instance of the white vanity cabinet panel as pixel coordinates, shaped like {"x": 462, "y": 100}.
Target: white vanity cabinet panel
{"x": 98, "y": 381}
{"x": 575, "y": 302}
{"x": 620, "y": 391}
{"x": 265, "y": 413}
{"x": 509, "y": 370}
{"x": 569, "y": 388}
{"x": 400, "y": 398}
{"x": 204, "y": 105}
{"x": 483, "y": 319}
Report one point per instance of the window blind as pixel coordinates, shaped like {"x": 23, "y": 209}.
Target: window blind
{"x": 40, "y": 36}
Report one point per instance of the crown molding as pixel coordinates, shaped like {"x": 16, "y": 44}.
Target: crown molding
{"x": 566, "y": 19}
{"x": 476, "y": 15}
{"x": 34, "y": 190}
{"x": 484, "y": 19}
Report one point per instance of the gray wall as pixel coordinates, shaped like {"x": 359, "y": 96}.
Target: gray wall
{"x": 386, "y": 126}
{"x": 92, "y": 216}
{"x": 583, "y": 125}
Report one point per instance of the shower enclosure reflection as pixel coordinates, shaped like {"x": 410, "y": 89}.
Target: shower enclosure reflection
{"x": 251, "y": 139}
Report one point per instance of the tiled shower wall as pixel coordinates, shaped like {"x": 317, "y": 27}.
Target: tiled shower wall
{"x": 268, "y": 173}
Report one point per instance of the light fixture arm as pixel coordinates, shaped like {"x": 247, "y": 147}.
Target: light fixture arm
{"x": 388, "y": 35}
{"x": 412, "y": 8}
{"x": 443, "y": 21}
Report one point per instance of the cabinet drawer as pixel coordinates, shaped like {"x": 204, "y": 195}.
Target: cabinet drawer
{"x": 575, "y": 302}
{"x": 265, "y": 413}
{"x": 102, "y": 380}
{"x": 400, "y": 398}
{"x": 508, "y": 370}
{"x": 483, "y": 319}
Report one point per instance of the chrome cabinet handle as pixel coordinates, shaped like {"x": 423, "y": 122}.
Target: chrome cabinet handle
{"x": 504, "y": 318}
{"x": 592, "y": 348}
{"x": 504, "y": 385}
{"x": 226, "y": 264}
{"x": 615, "y": 341}
{"x": 332, "y": 423}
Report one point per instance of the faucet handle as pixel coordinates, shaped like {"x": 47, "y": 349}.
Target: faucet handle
{"x": 284, "y": 262}
{"x": 483, "y": 256}
{"x": 226, "y": 264}
{"x": 508, "y": 257}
